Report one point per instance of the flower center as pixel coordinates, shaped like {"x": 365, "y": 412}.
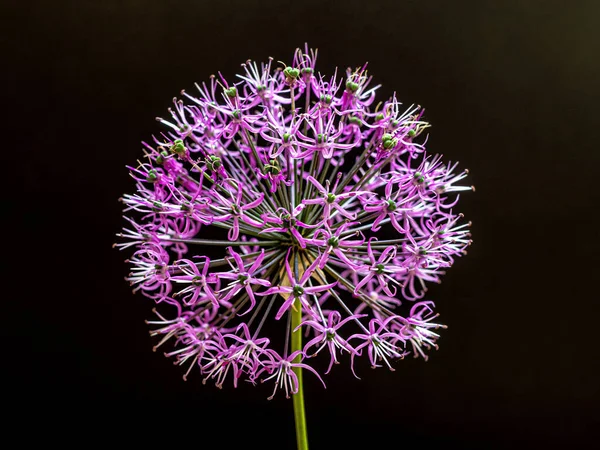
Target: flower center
{"x": 333, "y": 241}
{"x": 298, "y": 291}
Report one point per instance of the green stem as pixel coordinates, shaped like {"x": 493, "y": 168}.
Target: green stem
{"x": 298, "y": 399}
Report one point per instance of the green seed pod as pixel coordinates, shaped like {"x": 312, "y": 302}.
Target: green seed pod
{"x": 351, "y": 86}
{"x": 291, "y": 73}
{"x": 326, "y": 99}
{"x": 231, "y": 92}
{"x": 152, "y": 176}
{"x": 388, "y": 141}
{"x": 419, "y": 178}
{"x": 160, "y": 159}
{"x": 272, "y": 168}
{"x": 178, "y": 147}
{"x": 213, "y": 163}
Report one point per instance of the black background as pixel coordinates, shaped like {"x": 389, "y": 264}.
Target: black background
{"x": 512, "y": 91}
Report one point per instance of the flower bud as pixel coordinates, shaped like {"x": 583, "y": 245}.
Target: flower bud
{"x": 231, "y": 92}
{"x": 160, "y": 159}
{"x": 152, "y": 176}
{"x": 307, "y": 71}
{"x": 388, "y": 141}
{"x": 213, "y": 163}
{"x": 178, "y": 147}
{"x": 351, "y": 86}
{"x": 291, "y": 74}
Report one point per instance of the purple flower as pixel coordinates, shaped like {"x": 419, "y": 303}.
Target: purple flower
{"x": 380, "y": 342}
{"x": 379, "y": 267}
{"x": 330, "y": 217}
{"x": 233, "y": 209}
{"x": 280, "y": 369}
{"x": 338, "y": 242}
{"x": 198, "y": 281}
{"x": 242, "y": 278}
{"x": 297, "y": 291}
{"x": 327, "y": 336}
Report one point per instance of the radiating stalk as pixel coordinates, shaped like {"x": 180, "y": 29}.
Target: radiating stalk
{"x": 222, "y": 243}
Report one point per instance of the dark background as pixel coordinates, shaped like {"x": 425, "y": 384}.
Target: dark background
{"x": 512, "y": 91}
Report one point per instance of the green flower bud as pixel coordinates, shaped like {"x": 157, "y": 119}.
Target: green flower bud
{"x": 418, "y": 177}
{"x": 326, "y": 99}
{"x": 178, "y": 147}
{"x": 351, "y": 86}
{"x": 330, "y": 198}
{"x": 291, "y": 74}
{"x": 152, "y": 176}
{"x": 379, "y": 268}
{"x": 286, "y": 137}
{"x": 412, "y": 133}
{"x": 160, "y": 159}
{"x": 388, "y": 141}
{"x": 391, "y": 205}
{"x": 273, "y": 167}
{"x": 213, "y": 163}
{"x": 231, "y": 92}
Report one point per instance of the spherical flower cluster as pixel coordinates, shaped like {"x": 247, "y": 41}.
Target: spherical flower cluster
{"x": 330, "y": 214}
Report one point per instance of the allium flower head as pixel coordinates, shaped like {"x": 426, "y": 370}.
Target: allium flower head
{"x": 326, "y": 206}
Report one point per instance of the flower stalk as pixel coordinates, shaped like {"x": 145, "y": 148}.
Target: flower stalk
{"x": 298, "y": 399}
